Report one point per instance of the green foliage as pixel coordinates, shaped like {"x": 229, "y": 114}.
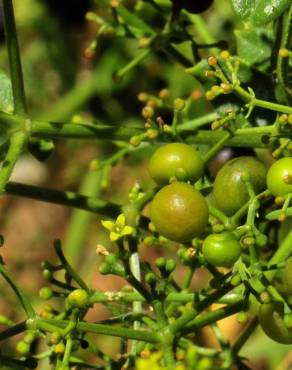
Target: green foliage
{"x": 259, "y": 12}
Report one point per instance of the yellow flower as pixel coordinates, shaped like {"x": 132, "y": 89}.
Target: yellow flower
{"x": 118, "y": 229}
{"x": 149, "y": 363}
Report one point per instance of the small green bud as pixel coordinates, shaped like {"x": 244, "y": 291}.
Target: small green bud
{"x": 179, "y": 104}
{"x": 29, "y": 337}
{"x": 261, "y": 240}
{"x": 22, "y": 347}
{"x": 78, "y": 298}
{"x": 105, "y": 268}
{"x": 160, "y": 263}
{"x": 46, "y": 293}
{"x": 150, "y": 278}
{"x": 111, "y": 259}
{"x": 135, "y": 140}
{"x": 47, "y": 274}
{"x": 170, "y": 266}
{"x": 242, "y": 317}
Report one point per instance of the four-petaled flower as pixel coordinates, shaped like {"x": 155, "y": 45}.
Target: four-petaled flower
{"x": 118, "y": 229}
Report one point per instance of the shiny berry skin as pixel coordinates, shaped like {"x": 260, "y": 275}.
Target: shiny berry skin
{"x": 279, "y": 177}
{"x": 179, "y": 212}
{"x": 272, "y": 323}
{"x": 230, "y": 191}
{"x": 221, "y": 250}
{"x": 176, "y": 159}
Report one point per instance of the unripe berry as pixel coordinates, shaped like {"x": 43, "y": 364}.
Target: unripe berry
{"x": 22, "y": 347}
{"x": 78, "y": 298}
{"x": 46, "y": 293}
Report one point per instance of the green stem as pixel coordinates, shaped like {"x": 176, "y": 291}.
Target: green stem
{"x": 116, "y": 331}
{"x": 10, "y": 363}
{"x": 199, "y": 122}
{"x": 66, "y": 198}
{"x": 23, "y": 300}
{"x": 68, "y": 267}
{"x": 212, "y": 316}
{"x": 68, "y": 350}
{"x": 187, "y": 278}
{"x": 245, "y": 334}
{"x": 179, "y": 297}
{"x": 234, "y": 220}
{"x": 246, "y": 96}
{"x": 285, "y": 43}
{"x": 281, "y": 254}
{"x": 14, "y": 58}
{"x": 216, "y": 148}
{"x": 274, "y": 215}
{"x": 136, "y": 271}
{"x": 215, "y": 212}
{"x": 10, "y": 332}
{"x": 17, "y": 143}
{"x": 190, "y": 314}
{"x": 203, "y": 31}
{"x": 245, "y": 137}
{"x": 133, "y": 63}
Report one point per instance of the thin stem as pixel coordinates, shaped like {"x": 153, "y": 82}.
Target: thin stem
{"x": 179, "y": 297}
{"x": 68, "y": 350}
{"x": 136, "y": 271}
{"x": 14, "y": 58}
{"x": 190, "y": 314}
{"x": 66, "y": 198}
{"x": 23, "y": 300}
{"x": 17, "y": 144}
{"x": 246, "y": 96}
{"x": 133, "y": 63}
{"x": 281, "y": 254}
{"x": 10, "y": 332}
{"x": 245, "y": 334}
{"x": 199, "y": 122}
{"x": 215, "y": 212}
{"x": 68, "y": 267}
{"x": 212, "y": 316}
{"x": 187, "y": 278}
{"x": 203, "y": 31}
{"x": 243, "y": 210}
{"x": 216, "y": 148}
{"x": 116, "y": 331}
{"x": 245, "y": 137}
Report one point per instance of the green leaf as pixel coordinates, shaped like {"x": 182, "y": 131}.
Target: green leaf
{"x": 6, "y": 97}
{"x": 266, "y": 11}
{"x": 253, "y": 45}
{"x": 259, "y": 12}
{"x": 243, "y": 8}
